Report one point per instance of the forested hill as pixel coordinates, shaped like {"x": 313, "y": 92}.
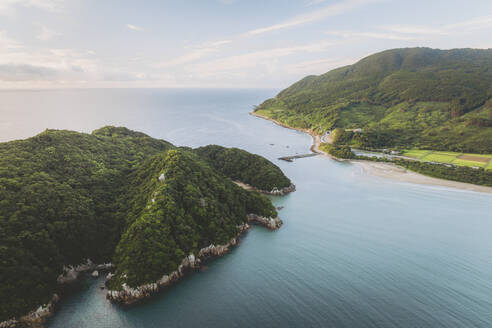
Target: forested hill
{"x": 240, "y": 165}
{"x": 420, "y": 97}
{"x": 113, "y": 195}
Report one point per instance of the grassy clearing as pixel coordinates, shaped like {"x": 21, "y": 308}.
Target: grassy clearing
{"x": 449, "y": 157}
{"x": 415, "y": 153}
{"x": 438, "y": 157}
{"x": 462, "y": 162}
{"x": 264, "y": 112}
{"x": 450, "y": 153}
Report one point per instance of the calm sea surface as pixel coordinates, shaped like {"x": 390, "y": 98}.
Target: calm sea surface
{"x": 355, "y": 250}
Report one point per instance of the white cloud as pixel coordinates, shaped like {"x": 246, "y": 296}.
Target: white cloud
{"x": 135, "y": 27}
{"x": 481, "y": 22}
{"x": 26, "y": 72}
{"x": 262, "y": 58}
{"x": 372, "y": 35}
{"x": 67, "y": 64}
{"x": 476, "y": 23}
{"x": 325, "y": 12}
{"x": 8, "y": 6}
{"x": 415, "y": 30}
{"x": 314, "y": 2}
{"x": 318, "y": 66}
{"x": 47, "y": 34}
{"x": 197, "y": 52}
{"x": 7, "y": 43}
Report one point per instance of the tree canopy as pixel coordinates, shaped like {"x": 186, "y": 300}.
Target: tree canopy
{"x": 418, "y": 97}
{"x": 67, "y": 196}
{"x": 240, "y": 165}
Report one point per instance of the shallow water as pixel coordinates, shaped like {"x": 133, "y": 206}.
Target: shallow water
{"x": 354, "y": 251}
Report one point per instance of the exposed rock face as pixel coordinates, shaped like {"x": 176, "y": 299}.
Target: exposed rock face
{"x": 270, "y": 223}
{"x": 109, "y": 276}
{"x": 128, "y": 295}
{"x": 274, "y": 192}
{"x": 281, "y": 192}
{"x": 34, "y": 318}
{"x": 70, "y": 274}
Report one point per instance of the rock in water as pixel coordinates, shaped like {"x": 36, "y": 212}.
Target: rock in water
{"x": 95, "y": 274}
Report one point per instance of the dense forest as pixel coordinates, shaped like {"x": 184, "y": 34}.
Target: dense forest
{"x": 240, "y": 165}
{"x": 113, "y": 195}
{"x": 415, "y": 97}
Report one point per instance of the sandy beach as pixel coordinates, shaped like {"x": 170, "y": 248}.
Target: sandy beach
{"x": 388, "y": 170}
{"x": 392, "y": 171}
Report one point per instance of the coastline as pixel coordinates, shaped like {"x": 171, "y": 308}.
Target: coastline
{"x": 274, "y": 192}
{"x": 39, "y": 316}
{"x": 387, "y": 170}
{"x": 129, "y": 295}
{"x": 316, "y": 138}
{"x": 392, "y": 171}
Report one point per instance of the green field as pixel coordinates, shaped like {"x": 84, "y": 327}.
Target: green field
{"x": 441, "y": 158}
{"x": 415, "y": 153}
{"x": 462, "y": 162}
{"x": 447, "y": 157}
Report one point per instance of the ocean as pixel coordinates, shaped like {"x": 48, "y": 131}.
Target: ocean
{"x": 355, "y": 250}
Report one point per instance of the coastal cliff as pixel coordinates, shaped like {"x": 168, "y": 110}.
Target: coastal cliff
{"x": 70, "y": 274}
{"x": 128, "y": 295}
{"x": 120, "y": 197}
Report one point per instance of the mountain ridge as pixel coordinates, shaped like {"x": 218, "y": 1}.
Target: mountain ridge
{"x": 408, "y": 97}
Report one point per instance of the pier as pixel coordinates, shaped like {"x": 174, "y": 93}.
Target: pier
{"x": 292, "y": 158}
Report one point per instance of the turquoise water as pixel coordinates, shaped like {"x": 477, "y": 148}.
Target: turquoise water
{"x": 355, "y": 250}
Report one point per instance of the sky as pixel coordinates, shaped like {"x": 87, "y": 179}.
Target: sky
{"x": 217, "y": 43}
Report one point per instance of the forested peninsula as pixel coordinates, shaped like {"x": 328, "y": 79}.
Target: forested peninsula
{"x": 415, "y": 101}
{"x": 413, "y": 97}
{"x": 140, "y": 207}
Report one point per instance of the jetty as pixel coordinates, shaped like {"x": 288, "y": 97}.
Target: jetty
{"x": 292, "y": 158}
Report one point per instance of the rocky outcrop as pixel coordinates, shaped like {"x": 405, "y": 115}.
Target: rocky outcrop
{"x": 34, "y": 318}
{"x": 280, "y": 192}
{"x": 70, "y": 273}
{"x": 128, "y": 295}
{"x": 270, "y": 223}
{"x": 274, "y": 192}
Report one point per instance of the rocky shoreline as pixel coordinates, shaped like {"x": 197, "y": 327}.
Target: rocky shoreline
{"x": 274, "y": 192}
{"x": 70, "y": 274}
{"x": 280, "y": 192}
{"x": 128, "y": 295}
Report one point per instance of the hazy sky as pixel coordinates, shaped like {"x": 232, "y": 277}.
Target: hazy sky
{"x": 217, "y": 43}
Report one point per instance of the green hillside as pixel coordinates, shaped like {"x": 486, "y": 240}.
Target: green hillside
{"x": 67, "y": 196}
{"x": 240, "y": 165}
{"x": 415, "y": 97}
